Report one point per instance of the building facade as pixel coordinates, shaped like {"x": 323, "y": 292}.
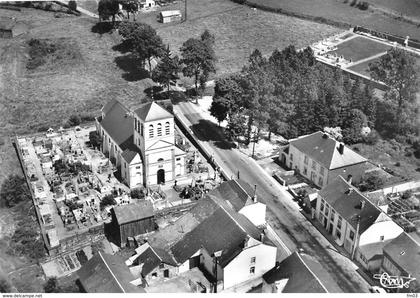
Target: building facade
{"x": 141, "y": 143}
{"x": 320, "y": 158}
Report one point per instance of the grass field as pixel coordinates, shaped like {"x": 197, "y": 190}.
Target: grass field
{"x": 238, "y": 30}
{"x": 341, "y": 11}
{"x": 363, "y": 67}
{"x": 410, "y": 8}
{"x": 360, "y": 48}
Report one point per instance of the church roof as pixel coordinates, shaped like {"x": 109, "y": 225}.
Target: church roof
{"x": 151, "y": 111}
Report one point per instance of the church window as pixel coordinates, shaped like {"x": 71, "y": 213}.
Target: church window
{"x": 141, "y": 129}
{"x": 167, "y": 128}
{"x": 159, "y": 129}
{"x": 151, "y": 131}
{"x": 135, "y": 124}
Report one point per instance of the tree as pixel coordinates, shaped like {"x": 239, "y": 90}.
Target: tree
{"x": 13, "y": 191}
{"x": 51, "y": 286}
{"x": 73, "y": 5}
{"x": 130, "y": 6}
{"x": 371, "y": 182}
{"x": 146, "y": 44}
{"x": 5, "y": 286}
{"x": 108, "y": 8}
{"x": 227, "y": 93}
{"x": 355, "y": 121}
{"x": 198, "y": 58}
{"x": 74, "y": 120}
{"x": 166, "y": 72}
{"x": 95, "y": 139}
{"x": 107, "y": 200}
{"x": 138, "y": 194}
{"x": 396, "y": 70}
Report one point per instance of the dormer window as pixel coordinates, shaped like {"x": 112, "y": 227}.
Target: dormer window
{"x": 159, "y": 130}
{"x": 167, "y": 128}
{"x": 151, "y": 131}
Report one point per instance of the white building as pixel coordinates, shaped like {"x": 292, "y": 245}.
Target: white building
{"x": 355, "y": 223}
{"x": 141, "y": 143}
{"x": 146, "y": 4}
{"x": 221, "y": 242}
{"x": 320, "y": 158}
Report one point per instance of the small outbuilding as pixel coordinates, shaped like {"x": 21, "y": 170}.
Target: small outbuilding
{"x": 9, "y": 28}
{"x": 145, "y": 4}
{"x": 132, "y": 220}
{"x": 170, "y": 16}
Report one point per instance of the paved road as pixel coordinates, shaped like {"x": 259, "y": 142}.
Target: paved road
{"x": 282, "y": 212}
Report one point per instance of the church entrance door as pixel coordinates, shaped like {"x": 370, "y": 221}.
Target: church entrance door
{"x": 160, "y": 176}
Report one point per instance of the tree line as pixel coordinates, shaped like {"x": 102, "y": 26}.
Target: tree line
{"x": 291, "y": 94}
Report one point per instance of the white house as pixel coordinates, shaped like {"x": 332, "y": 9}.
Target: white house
{"x": 355, "y": 223}
{"x": 215, "y": 238}
{"x": 320, "y": 158}
{"x": 141, "y": 143}
{"x": 146, "y": 4}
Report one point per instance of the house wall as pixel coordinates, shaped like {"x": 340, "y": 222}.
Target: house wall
{"x": 332, "y": 225}
{"x": 355, "y": 170}
{"x": 388, "y": 229}
{"x": 255, "y": 213}
{"x": 136, "y": 228}
{"x": 134, "y": 172}
{"x": 154, "y": 165}
{"x": 238, "y": 270}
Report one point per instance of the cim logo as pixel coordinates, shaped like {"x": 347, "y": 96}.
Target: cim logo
{"x": 393, "y": 282}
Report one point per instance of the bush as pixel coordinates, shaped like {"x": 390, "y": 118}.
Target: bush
{"x": 108, "y": 200}
{"x": 239, "y": 1}
{"x": 372, "y": 138}
{"x": 73, "y": 5}
{"x": 74, "y": 120}
{"x": 13, "y": 191}
{"x": 95, "y": 139}
{"x": 363, "y": 5}
{"x": 51, "y": 286}
{"x": 138, "y": 193}
{"x": 371, "y": 182}
{"x": 87, "y": 118}
{"x": 397, "y": 164}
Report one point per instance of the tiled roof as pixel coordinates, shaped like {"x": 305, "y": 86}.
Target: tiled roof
{"x": 405, "y": 252}
{"x": 346, "y": 201}
{"x": 324, "y": 149}
{"x": 151, "y": 111}
{"x": 130, "y": 152}
{"x": 301, "y": 279}
{"x": 107, "y": 274}
{"x": 373, "y": 250}
{"x": 237, "y": 192}
{"x": 133, "y": 212}
{"x": 118, "y": 123}
{"x": 150, "y": 260}
{"x": 212, "y": 224}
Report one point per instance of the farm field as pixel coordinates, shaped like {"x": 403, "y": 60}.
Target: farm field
{"x": 359, "y": 48}
{"x": 341, "y": 11}
{"x": 410, "y": 8}
{"x": 91, "y": 5}
{"x": 238, "y": 30}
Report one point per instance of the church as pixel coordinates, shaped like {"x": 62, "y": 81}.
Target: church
{"x": 141, "y": 143}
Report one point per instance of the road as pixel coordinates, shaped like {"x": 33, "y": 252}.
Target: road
{"x": 282, "y": 212}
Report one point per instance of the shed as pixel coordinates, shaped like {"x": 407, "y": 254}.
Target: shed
{"x": 132, "y": 220}
{"x": 170, "y": 16}
{"x": 9, "y": 28}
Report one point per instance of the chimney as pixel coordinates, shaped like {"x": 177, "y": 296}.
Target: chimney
{"x": 254, "y": 198}
{"x": 325, "y": 136}
{"x": 262, "y": 237}
{"x": 341, "y": 148}
{"x": 362, "y": 205}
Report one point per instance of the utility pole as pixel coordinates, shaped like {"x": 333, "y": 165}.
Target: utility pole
{"x": 185, "y": 10}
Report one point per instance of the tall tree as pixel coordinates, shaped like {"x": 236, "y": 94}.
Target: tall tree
{"x": 166, "y": 72}
{"x": 13, "y": 191}
{"x": 198, "y": 58}
{"x": 52, "y": 286}
{"x": 108, "y": 8}
{"x": 396, "y": 70}
{"x": 227, "y": 95}
{"x": 130, "y": 6}
{"x": 355, "y": 121}
{"x": 147, "y": 44}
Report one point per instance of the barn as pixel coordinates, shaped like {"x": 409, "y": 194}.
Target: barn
{"x": 131, "y": 220}
{"x": 170, "y": 16}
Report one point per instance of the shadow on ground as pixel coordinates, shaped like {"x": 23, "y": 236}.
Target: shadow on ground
{"x": 102, "y": 27}
{"x": 132, "y": 67}
{"x": 208, "y": 131}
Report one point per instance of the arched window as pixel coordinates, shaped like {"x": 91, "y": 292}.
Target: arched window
{"x": 160, "y": 159}
{"x": 141, "y": 129}
{"x": 167, "y": 128}
{"x": 159, "y": 129}
{"x": 151, "y": 131}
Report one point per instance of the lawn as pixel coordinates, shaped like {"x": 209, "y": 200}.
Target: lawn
{"x": 363, "y": 67}
{"x": 238, "y": 30}
{"x": 360, "y": 48}
{"x": 341, "y": 11}
{"x": 410, "y": 8}
{"x": 90, "y": 5}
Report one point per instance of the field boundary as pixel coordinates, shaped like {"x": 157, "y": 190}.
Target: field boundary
{"x": 320, "y": 20}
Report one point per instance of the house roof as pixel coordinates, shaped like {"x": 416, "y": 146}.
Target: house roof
{"x": 237, "y": 192}
{"x": 150, "y": 260}
{"x": 298, "y": 270}
{"x": 374, "y": 250}
{"x": 105, "y": 273}
{"x": 405, "y": 252}
{"x": 133, "y": 212}
{"x": 324, "y": 149}
{"x": 346, "y": 200}
{"x": 151, "y": 111}
{"x": 130, "y": 152}
{"x": 212, "y": 224}
{"x": 118, "y": 123}
{"x": 169, "y": 13}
